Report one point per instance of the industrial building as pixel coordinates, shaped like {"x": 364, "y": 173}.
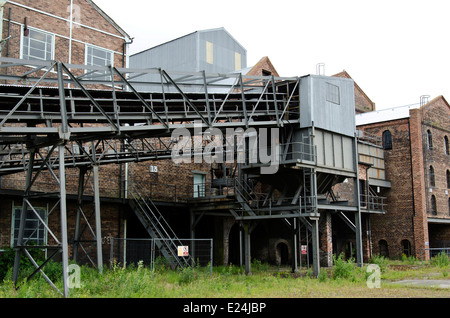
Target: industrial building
{"x": 417, "y": 159}
{"x": 117, "y": 161}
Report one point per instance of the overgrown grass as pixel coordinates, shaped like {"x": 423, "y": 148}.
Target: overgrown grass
{"x": 344, "y": 279}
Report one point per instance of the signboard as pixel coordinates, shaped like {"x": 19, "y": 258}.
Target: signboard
{"x": 183, "y": 251}
{"x": 304, "y": 251}
{"x": 153, "y": 169}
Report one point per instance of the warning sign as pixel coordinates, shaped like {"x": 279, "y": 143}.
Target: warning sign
{"x": 304, "y": 249}
{"x": 183, "y": 251}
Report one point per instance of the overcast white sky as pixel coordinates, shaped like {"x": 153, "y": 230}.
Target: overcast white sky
{"x": 396, "y": 50}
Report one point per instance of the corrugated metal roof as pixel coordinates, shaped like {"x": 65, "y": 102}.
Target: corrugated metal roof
{"x": 384, "y": 115}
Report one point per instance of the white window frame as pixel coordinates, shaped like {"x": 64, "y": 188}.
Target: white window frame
{"x": 86, "y": 60}
{"x": 22, "y": 43}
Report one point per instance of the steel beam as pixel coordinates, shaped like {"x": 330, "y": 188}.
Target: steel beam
{"x": 63, "y": 210}
{"x": 315, "y": 246}
{"x": 98, "y": 224}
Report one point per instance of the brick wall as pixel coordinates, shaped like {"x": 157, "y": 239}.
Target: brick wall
{"x": 396, "y": 225}
{"x": 95, "y": 30}
{"x": 433, "y": 118}
{"x": 407, "y": 164}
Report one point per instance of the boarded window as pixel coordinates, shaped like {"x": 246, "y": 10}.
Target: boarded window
{"x": 333, "y": 94}
{"x": 209, "y": 52}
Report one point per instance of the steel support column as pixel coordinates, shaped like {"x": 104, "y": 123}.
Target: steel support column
{"x": 295, "y": 227}
{"x": 98, "y": 224}
{"x": 315, "y": 246}
{"x": 247, "y": 253}
{"x": 63, "y": 211}
{"x": 357, "y": 198}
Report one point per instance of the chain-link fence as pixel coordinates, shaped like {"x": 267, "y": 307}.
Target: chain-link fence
{"x": 147, "y": 251}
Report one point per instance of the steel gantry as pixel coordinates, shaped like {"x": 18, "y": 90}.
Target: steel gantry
{"x": 56, "y": 116}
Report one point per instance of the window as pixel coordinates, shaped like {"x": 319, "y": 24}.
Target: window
{"x": 199, "y": 185}
{"x": 96, "y": 56}
{"x": 406, "y": 247}
{"x": 429, "y": 140}
{"x": 34, "y": 229}
{"x": 387, "y": 140}
{"x": 384, "y": 250}
{"x": 38, "y": 45}
{"x": 209, "y": 52}
{"x": 446, "y": 146}
{"x": 431, "y": 176}
{"x": 433, "y": 205}
{"x": 448, "y": 179}
{"x": 333, "y": 94}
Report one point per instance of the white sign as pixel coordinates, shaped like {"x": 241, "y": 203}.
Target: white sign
{"x": 154, "y": 169}
{"x": 183, "y": 251}
{"x": 304, "y": 249}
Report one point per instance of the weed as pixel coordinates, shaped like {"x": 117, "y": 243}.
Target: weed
{"x": 441, "y": 260}
{"x": 187, "y": 275}
{"x": 380, "y": 261}
{"x": 342, "y": 268}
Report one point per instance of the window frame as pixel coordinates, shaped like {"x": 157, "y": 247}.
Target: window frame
{"x": 97, "y": 74}
{"x": 22, "y": 44}
{"x": 429, "y": 140}
{"x": 387, "y": 140}
{"x": 333, "y": 94}
{"x": 42, "y": 234}
{"x": 446, "y": 146}
{"x": 432, "y": 176}
{"x": 433, "y": 204}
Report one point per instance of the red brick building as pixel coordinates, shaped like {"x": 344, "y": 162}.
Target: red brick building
{"x": 417, "y": 160}
{"x": 72, "y": 32}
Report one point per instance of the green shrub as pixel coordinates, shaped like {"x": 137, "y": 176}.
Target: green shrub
{"x": 342, "y": 268}
{"x": 7, "y": 260}
{"x": 380, "y": 261}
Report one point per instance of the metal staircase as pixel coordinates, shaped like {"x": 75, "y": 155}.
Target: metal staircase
{"x": 156, "y": 225}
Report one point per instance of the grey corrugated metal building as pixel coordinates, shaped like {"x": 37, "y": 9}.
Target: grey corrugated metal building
{"x": 212, "y": 51}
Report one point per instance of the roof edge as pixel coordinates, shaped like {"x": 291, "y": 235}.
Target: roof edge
{"x": 109, "y": 19}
